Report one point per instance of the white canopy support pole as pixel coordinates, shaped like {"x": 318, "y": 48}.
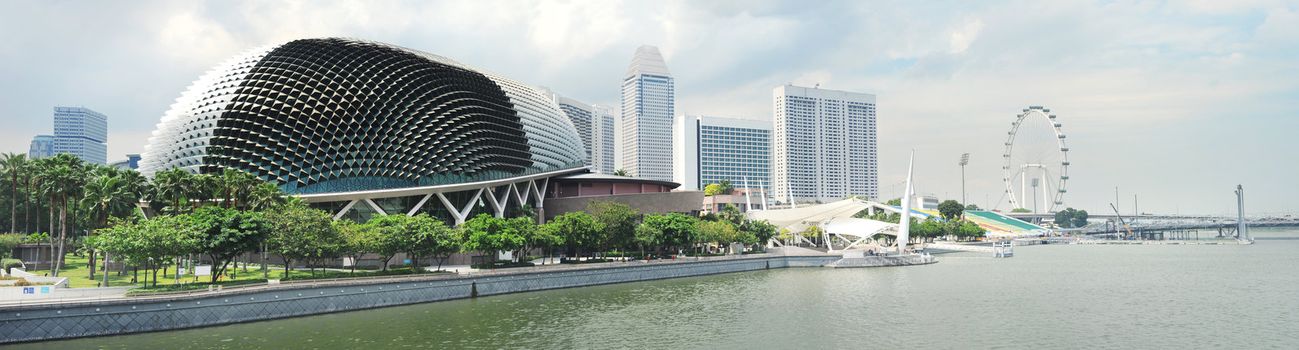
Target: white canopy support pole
{"x": 748, "y": 204}
{"x": 904, "y": 225}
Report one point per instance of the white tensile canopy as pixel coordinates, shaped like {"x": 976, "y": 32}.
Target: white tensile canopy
{"x": 835, "y": 220}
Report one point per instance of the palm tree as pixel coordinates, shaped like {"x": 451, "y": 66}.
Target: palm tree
{"x": 620, "y": 172}
{"x": 13, "y": 164}
{"x": 265, "y": 196}
{"x": 63, "y": 180}
{"x": 173, "y": 185}
{"x": 235, "y": 186}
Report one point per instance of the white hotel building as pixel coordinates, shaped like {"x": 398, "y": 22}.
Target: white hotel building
{"x": 823, "y": 145}
{"x": 707, "y": 150}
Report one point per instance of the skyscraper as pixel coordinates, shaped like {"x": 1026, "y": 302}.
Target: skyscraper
{"x": 81, "y": 132}
{"x": 603, "y": 134}
{"x": 824, "y": 145}
{"x": 581, "y": 115}
{"x": 708, "y": 150}
{"x": 42, "y": 146}
{"x": 647, "y": 111}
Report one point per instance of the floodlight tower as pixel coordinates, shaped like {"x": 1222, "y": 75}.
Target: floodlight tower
{"x": 965, "y": 159}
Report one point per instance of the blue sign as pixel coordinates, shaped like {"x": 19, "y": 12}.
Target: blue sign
{"x": 407, "y": 261}
{"x": 45, "y": 290}
{"x": 29, "y": 290}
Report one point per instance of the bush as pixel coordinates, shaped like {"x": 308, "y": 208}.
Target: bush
{"x": 8, "y": 242}
{"x": 7, "y": 264}
{"x": 22, "y": 282}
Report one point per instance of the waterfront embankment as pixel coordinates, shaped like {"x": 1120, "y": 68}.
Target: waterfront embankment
{"x": 72, "y": 319}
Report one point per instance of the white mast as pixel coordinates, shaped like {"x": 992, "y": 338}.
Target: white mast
{"x": 748, "y": 204}
{"x": 904, "y": 226}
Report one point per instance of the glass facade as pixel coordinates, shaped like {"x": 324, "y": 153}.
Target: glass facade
{"x": 42, "y": 146}
{"x": 81, "y": 132}
{"x": 341, "y": 115}
{"x": 736, "y": 150}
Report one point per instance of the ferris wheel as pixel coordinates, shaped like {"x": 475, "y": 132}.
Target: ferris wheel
{"x": 1036, "y": 167}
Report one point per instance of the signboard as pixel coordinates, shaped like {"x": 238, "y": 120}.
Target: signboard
{"x": 348, "y": 261}
{"x": 203, "y": 270}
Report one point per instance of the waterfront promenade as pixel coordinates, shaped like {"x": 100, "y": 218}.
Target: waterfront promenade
{"x": 74, "y": 318}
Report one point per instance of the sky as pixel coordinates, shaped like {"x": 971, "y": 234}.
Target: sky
{"x": 1174, "y": 103}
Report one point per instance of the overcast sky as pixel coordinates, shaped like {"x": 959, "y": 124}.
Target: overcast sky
{"x": 1174, "y": 101}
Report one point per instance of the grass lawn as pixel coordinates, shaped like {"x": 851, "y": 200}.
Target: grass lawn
{"x": 77, "y": 271}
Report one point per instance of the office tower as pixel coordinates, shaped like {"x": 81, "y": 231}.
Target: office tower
{"x": 647, "y": 111}
{"x": 824, "y": 145}
{"x": 42, "y": 146}
{"x": 708, "y": 150}
{"x": 81, "y": 132}
{"x": 581, "y": 115}
{"x": 603, "y": 134}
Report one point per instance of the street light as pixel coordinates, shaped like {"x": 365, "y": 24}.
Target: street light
{"x": 965, "y": 159}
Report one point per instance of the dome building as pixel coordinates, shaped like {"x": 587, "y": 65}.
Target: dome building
{"x": 358, "y": 128}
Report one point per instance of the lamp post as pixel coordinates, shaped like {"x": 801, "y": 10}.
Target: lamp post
{"x": 965, "y": 159}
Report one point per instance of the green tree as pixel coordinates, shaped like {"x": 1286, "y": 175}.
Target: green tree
{"x": 678, "y": 230}
{"x": 620, "y": 172}
{"x": 969, "y": 230}
{"x": 712, "y": 190}
{"x": 950, "y": 209}
{"x": 1070, "y": 218}
{"x": 433, "y": 238}
{"x": 732, "y": 214}
{"x": 1020, "y": 210}
{"x": 391, "y": 236}
{"x": 300, "y": 233}
{"x": 575, "y": 229}
{"x": 359, "y": 239}
{"x": 63, "y": 179}
{"x": 173, "y": 186}
{"x": 264, "y": 196}
{"x": 226, "y": 233}
{"x": 110, "y": 193}
{"x": 619, "y": 222}
{"x": 715, "y": 232}
{"x": 971, "y": 206}
{"x": 1080, "y": 218}
{"x": 13, "y": 165}
{"x": 761, "y": 230}
{"x": 648, "y": 236}
{"x": 489, "y": 234}
{"x": 897, "y": 202}
{"x": 726, "y": 187}
{"x": 152, "y": 242}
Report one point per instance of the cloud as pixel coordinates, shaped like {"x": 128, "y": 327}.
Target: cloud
{"x": 1149, "y": 92}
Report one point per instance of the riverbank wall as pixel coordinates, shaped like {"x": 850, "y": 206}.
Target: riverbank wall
{"x": 39, "y": 322}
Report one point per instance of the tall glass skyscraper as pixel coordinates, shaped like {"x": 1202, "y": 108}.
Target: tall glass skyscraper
{"x": 647, "y": 110}
{"x": 823, "y": 144}
{"x": 711, "y": 149}
{"x": 80, "y": 132}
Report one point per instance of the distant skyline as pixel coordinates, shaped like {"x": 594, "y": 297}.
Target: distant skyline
{"x": 1175, "y": 101}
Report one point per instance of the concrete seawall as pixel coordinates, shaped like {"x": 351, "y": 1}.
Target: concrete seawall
{"x": 146, "y": 314}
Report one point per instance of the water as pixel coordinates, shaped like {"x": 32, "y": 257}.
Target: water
{"x": 1046, "y": 297}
